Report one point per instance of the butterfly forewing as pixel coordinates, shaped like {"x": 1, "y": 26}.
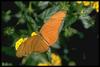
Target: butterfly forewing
{"x": 50, "y": 30}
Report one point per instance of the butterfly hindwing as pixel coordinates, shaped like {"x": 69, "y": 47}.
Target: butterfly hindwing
{"x": 41, "y": 45}
{"x": 32, "y": 44}
{"x": 23, "y": 49}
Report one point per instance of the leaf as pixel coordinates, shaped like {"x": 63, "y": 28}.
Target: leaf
{"x": 21, "y": 5}
{"x": 69, "y": 20}
{"x": 23, "y": 31}
{"x": 56, "y": 46}
{"x": 42, "y": 4}
{"x": 9, "y": 30}
{"x": 49, "y": 55}
{"x": 28, "y": 61}
{"x": 87, "y": 21}
{"x": 6, "y": 64}
{"x": 18, "y": 15}
{"x": 30, "y": 9}
{"x": 34, "y": 58}
{"x": 21, "y": 20}
{"x": 66, "y": 57}
{"x": 31, "y": 22}
{"x": 69, "y": 32}
{"x": 81, "y": 35}
{"x": 8, "y": 51}
{"x": 72, "y": 63}
{"x": 8, "y": 12}
{"x": 6, "y": 16}
{"x": 66, "y": 51}
{"x": 48, "y": 12}
{"x": 87, "y": 11}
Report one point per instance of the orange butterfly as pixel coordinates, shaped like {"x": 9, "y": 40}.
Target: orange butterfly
{"x": 47, "y": 36}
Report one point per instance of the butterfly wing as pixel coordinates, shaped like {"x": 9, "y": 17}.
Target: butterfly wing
{"x": 38, "y": 43}
{"x": 41, "y": 44}
{"x": 32, "y": 44}
{"x": 50, "y": 30}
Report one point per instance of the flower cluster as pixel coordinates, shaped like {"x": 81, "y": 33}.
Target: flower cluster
{"x": 93, "y": 4}
{"x": 55, "y": 61}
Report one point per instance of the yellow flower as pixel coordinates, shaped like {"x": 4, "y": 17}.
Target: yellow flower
{"x": 21, "y": 40}
{"x": 44, "y": 64}
{"x": 79, "y": 2}
{"x": 18, "y": 43}
{"x": 95, "y": 5}
{"x": 86, "y": 3}
{"x": 33, "y": 34}
{"x": 56, "y": 61}
{"x": 97, "y": 9}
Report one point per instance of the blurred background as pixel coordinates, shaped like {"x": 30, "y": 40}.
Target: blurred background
{"x": 78, "y": 40}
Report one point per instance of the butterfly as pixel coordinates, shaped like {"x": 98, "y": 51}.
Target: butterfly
{"x": 45, "y": 38}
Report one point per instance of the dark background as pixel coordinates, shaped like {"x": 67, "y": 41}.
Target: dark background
{"x": 88, "y": 46}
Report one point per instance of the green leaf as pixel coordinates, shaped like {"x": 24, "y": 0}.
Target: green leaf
{"x": 63, "y": 6}
{"x": 21, "y": 5}
{"x": 87, "y": 11}
{"x": 31, "y": 23}
{"x": 69, "y": 20}
{"x": 23, "y": 33}
{"x": 9, "y": 30}
{"x": 66, "y": 51}
{"x": 6, "y": 64}
{"x": 18, "y": 15}
{"x": 8, "y": 12}
{"x": 69, "y": 32}
{"x": 66, "y": 57}
{"x": 49, "y": 55}
{"x": 42, "y": 4}
{"x": 21, "y": 20}
{"x": 30, "y": 9}
{"x": 81, "y": 35}
{"x": 6, "y": 16}
{"x": 8, "y": 51}
{"x": 48, "y": 12}
{"x": 72, "y": 63}
{"x": 28, "y": 61}
{"x": 34, "y": 58}
{"x": 87, "y": 21}
{"x": 56, "y": 46}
